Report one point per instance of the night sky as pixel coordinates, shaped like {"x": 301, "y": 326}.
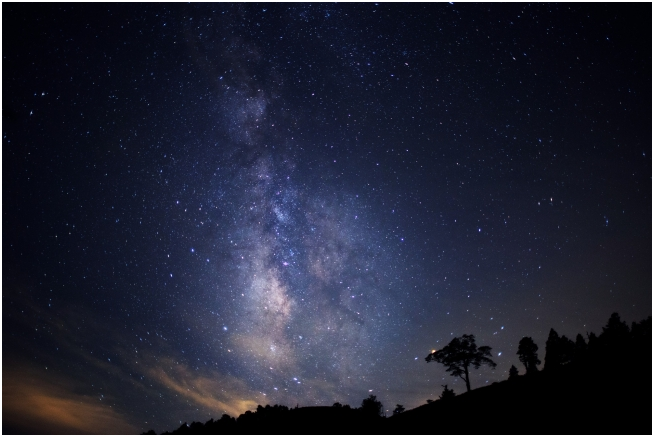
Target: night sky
{"x": 207, "y": 207}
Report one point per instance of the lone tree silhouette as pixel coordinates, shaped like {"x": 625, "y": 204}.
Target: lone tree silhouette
{"x": 527, "y": 352}
{"x": 461, "y": 353}
{"x": 398, "y": 410}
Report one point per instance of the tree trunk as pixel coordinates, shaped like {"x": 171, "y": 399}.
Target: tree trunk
{"x": 467, "y": 378}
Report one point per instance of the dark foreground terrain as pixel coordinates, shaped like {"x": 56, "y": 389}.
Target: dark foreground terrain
{"x": 611, "y": 397}
{"x": 606, "y": 389}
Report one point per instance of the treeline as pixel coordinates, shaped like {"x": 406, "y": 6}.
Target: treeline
{"x": 281, "y": 419}
{"x": 615, "y": 339}
{"x": 597, "y": 384}
{"x": 581, "y": 383}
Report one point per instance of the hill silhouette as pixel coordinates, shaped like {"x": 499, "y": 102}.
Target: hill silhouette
{"x": 602, "y": 386}
{"x": 297, "y": 421}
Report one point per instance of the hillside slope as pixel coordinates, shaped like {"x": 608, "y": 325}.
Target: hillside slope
{"x": 598, "y": 395}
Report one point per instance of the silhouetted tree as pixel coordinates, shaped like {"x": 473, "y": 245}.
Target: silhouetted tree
{"x": 183, "y": 429}
{"x": 581, "y": 345}
{"x": 337, "y": 405}
{"x": 370, "y": 406}
{"x": 640, "y": 332}
{"x": 461, "y": 353}
{"x": 615, "y": 332}
{"x": 196, "y": 428}
{"x": 559, "y": 350}
{"x": 224, "y": 425}
{"x": 513, "y": 372}
{"x": 591, "y": 340}
{"x": 552, "y": 353}
{"x": 245, "y": 419}
{"x": 447, "y": 393}
{"x": 567, "y": 350}
{"x": 398, "y": 409}
{"x": 428, "y": 401}
{"x": 527, "y": 352}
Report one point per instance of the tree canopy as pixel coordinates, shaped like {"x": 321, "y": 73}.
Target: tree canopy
{"x": 460, "y": 354}
{"x": 615, "y": 332}
{"x": 370, "y": 406}
{"x": 527, "y": 352}
{"x": 559, "y": 350}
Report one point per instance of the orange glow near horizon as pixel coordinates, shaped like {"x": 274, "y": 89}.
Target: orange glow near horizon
{"x": 49, "y": 407}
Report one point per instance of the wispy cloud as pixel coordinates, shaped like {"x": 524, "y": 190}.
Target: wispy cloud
{"x": 34, "y": 404}
{"x": 214, "y": 391}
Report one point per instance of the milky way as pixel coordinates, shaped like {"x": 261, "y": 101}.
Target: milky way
{"x": 211, "y": 207}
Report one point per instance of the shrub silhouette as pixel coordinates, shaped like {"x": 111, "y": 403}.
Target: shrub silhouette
{"x": 447, "y": 393}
